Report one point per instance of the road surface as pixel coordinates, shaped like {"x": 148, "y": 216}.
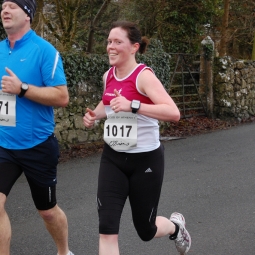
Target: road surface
{"x": 209, "y": 178}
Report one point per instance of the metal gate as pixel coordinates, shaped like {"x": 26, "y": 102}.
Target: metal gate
{"x": 187, "y": 84}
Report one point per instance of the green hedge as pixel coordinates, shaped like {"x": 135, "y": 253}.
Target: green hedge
{"x": 80, "y": 67}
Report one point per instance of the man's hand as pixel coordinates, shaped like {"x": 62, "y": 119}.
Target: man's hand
{"x": 11, "y": 84}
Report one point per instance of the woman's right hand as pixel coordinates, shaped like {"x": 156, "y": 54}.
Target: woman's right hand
{"x": 89, "y": 118}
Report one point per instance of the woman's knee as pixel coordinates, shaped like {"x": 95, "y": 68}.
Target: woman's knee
{"x": 146, "y": 236}
{"x": 109, "y": 238}
{"x": 109, "y": 224}
{"x": 146, "y": 231}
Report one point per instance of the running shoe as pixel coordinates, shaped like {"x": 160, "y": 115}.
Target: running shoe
{"x": 69, "y": 253}
{"x": 183, "y": 239}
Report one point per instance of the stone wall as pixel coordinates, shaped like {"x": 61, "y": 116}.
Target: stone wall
{"x": 69, "y": 127}
{"x": 69, "y": 120}
{"x": 233, "y": 97}
{"x": 234, "y": 88}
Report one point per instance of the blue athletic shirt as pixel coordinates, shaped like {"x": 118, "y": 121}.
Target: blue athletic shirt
{"x": 36, "y": 62}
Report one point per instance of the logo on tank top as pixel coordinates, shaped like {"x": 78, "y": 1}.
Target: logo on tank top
{"x": 112, "y": 94}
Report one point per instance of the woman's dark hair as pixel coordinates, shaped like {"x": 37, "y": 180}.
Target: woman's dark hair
{"x": 133, "y": 33}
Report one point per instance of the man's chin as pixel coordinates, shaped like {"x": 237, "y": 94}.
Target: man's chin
{"x": 6, "y": 26}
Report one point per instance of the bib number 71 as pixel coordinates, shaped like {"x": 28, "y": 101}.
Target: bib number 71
{"x": 6, "y": 107}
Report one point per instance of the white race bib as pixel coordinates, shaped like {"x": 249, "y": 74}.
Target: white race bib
{"x": 120, "y": 131}
{"x": 7, "y": 109}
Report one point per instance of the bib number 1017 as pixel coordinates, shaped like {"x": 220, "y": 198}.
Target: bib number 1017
{"x": 118, "y": 130}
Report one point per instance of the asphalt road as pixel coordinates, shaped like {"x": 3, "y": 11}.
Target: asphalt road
{"x": 209, "y": 178}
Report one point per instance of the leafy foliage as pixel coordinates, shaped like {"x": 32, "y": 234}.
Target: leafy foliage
{"x": 241, "y": 28}
{"x": 89, "y": 68}
{"x": 75, "y": 24}
{"x": 208, "y": 50}
{"x": 64, "y": 26}
{"x": 158, "y": 60}
{"x": 2, "y": 32}
{"x": 178, "y": 24}
{"x": 82, "y": 68}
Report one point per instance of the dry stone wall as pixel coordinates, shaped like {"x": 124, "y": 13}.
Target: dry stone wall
{"x": 234, "y": 88}
{"x": 233, "y": 97}
{"x": 69, "y": 127}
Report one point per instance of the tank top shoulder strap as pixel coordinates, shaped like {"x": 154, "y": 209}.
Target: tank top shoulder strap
{"x": 140, "y": 68}
{"x": 109, "y": 74}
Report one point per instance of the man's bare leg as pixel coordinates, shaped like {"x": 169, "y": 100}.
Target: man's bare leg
{"x": 5, "y": 228}
{"x": 56, "y": 223}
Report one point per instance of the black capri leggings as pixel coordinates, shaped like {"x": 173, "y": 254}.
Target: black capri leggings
{"x": 138, "y": 176}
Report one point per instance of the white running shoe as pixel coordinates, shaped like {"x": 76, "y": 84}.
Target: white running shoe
{"x": 69, "y": 253}
{"x": 183, "y": 239}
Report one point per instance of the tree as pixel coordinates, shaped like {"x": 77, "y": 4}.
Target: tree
{"x": 71, "y": 24}
{"x": 65, "y": 29}
{"x": 37, "y": 23}
{"x": 57, "y": 21}
{"x": 253, "y": 48}
{"x": 237, "y": 29}
{"x": 178, "y": 24}
{"x": 224, "y": 27}
{"x": 94, "y": 24}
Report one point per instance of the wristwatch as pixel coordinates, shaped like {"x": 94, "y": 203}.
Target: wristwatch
{"x": 135, "y": 105}
{"x": 24, "y": 88}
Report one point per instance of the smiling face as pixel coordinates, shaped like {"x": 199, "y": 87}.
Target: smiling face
{"x": 119, "y": 48}
{"x": 13, "y": 17}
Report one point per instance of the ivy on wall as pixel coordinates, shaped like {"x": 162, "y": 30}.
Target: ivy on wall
{"x": 84, "y": 74}
{"x": 83, "y": 67}
{"x": 91, "y": 67}
{"x": 208, "y": 50}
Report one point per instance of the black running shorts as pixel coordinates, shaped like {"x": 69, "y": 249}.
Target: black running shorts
{"x": 39, "y": 164}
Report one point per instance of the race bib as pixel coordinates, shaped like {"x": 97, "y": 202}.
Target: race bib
{"x": 120, "y": 131}
{"x": 7, "y": 109}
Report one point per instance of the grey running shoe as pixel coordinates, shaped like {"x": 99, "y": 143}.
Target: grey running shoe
{"x": 183, "y": 239}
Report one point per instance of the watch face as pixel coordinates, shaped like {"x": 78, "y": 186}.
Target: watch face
{"x": 24, "y": 86}
{"x": 135, "y": 104}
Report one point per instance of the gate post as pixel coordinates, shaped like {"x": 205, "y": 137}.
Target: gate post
{"x": 206, "y": 72}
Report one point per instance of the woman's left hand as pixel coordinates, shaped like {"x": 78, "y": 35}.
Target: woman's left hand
{"x": 120, "y": 103}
